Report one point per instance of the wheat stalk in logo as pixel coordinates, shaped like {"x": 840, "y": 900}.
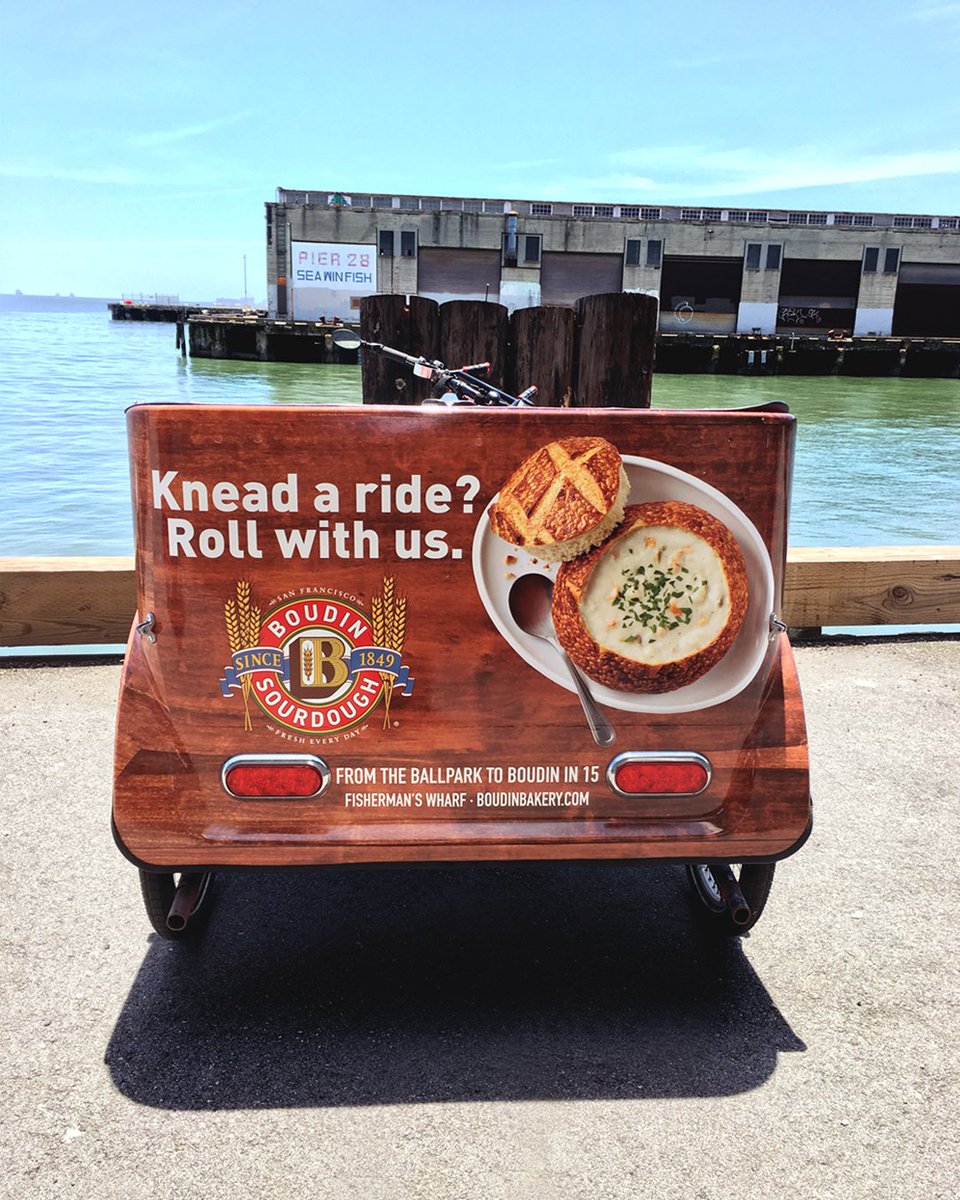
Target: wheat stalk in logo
{"x": 306, "y": 662}
{"x": 389, "y": 621}
{"x": 243, "y": 632}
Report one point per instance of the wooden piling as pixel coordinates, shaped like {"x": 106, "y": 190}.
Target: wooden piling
{"x": 541, "y": 353}
{"x": 471, "y": 332}
{"x": 616, "y": 334}
{"x": 412, "y": 326}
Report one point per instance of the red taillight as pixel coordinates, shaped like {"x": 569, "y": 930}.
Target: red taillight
{"x": 651, "y": 774}
{"x": 275, "y": 777}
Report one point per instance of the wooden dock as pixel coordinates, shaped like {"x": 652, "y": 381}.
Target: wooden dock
{"x": 88, "y": 601}
{"x": 130, "y": 310}
{"x": 421, "y": 326}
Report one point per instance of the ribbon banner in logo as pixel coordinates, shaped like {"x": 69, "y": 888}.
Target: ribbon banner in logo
{"x": 386, "y": 662}
{"x": 254, "y": 658}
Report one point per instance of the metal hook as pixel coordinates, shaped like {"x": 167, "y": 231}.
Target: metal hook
{"x": 147, "y": 626}
{"x": 776, "y": 627}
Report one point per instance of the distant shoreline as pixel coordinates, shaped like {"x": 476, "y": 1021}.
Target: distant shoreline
{"x": 20, "y": 302}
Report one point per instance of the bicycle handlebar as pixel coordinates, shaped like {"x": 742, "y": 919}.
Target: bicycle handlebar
{"x": 464, "y": 385}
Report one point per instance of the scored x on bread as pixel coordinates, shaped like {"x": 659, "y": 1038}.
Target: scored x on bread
{"x": 564, "y": 499}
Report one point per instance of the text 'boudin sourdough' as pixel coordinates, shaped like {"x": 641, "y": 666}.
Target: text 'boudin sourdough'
{"x": 657, "y": 605}
{"x": 564, "y": 499}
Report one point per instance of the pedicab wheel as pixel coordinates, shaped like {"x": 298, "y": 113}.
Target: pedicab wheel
{"x": 710, "y": 883}
{"x": 159, "y": 890}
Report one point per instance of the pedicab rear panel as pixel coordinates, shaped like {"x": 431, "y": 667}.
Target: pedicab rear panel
{"x": 323, "y": 609}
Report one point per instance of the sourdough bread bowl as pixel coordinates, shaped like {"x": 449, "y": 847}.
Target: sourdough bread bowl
{"x": 656, "y": 605}
{"x": 567, "y": 497}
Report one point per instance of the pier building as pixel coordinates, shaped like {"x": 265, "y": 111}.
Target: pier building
{"x": 713, "y": 270}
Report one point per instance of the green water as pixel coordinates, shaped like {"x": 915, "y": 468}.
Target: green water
{"x": 876, "y": 458}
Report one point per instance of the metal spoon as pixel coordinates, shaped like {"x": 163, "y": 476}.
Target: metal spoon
{"x": 530, "y": 602}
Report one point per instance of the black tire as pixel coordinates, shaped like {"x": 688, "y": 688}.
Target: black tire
{"x": 755, "y": 880}
{"x": 158, "y": 891}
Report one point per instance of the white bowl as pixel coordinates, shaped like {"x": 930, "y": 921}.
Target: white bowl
{"x": 649, "y": 481}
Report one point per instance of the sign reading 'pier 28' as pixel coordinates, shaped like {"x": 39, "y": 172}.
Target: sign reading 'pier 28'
{"x": 329, "y": 277}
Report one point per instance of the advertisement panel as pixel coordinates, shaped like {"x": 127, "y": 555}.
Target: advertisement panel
{"x": 365, "y": 593}
{"x": 328, "y": 278}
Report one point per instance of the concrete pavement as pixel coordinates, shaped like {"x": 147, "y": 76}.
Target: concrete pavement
{"x": 455, "y": 1034}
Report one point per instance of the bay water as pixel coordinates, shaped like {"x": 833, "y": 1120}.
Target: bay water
{"x": 877, "y": 459}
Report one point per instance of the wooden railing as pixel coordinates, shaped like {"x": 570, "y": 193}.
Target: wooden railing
{"x": 86, "y": 601}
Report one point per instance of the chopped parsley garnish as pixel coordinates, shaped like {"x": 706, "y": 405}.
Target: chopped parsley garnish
{"x": 651, "y": 599}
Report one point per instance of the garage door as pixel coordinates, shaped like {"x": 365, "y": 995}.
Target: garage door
{"x": 447, "y": 274}
{"x": 564, "y": 278}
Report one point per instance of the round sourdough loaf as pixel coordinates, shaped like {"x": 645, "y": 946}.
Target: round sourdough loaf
{"x": 562, "y": 500}
{"x": 658, "y": 604}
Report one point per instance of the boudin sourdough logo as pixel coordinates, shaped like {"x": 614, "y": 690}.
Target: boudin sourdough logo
{"x": 316, "y": 664}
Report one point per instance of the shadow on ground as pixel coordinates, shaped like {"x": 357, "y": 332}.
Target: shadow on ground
{"x": 411, "y": 986}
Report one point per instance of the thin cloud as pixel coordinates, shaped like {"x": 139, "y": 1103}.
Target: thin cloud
{"x": 164, "y": 137}
{"x": 697, "y": 172}
{"x": 126, "y": 177}
{"x": 698, "y": 62}
{"x": 935, "y": 12}
{"x": 521, "y": 165}
{"x": 113, "y": 176}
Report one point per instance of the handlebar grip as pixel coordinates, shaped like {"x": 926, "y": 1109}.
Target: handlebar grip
{"x": 482, "y": 368}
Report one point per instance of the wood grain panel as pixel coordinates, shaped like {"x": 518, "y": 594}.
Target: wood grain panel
{"x": 65, "y": 601}
{"x": 877, "y": 585}
{"x": 81, "y": 601}
{"x": 480, "y": 722}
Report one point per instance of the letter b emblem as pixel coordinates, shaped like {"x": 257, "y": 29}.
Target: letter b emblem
{"x": 318, "y": 667}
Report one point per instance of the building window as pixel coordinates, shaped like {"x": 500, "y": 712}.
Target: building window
{"x": 737, "y": 214}
{"x": 816, "y": 218}
{"x": 541, "y": 210}
{"x": 473, "y": 206}
{"x": 797, "y": 218}
{"x": 386, "y": 243}
{"x": 902, "y": 222}
{"x": 923, "y": 222}
{"x": 583, "y": 210}
{"x": 891, "y": 262}
{"x": 862, "y": 221}
{"x": 495, "y": 206}
{"x": 383, "y": 202}
{"x": 629, "y": 212}
{"x": 753, "y": 256}
{"x": 603, "y": 210}
{"x": 650, "y": 214}
{"x": 949, "y": 222}
{"x": 408, "y": 243}
{"x": 691, "y": 214}
{"x": 871, "y": 259}
{"x": 430, "y": 203}
{"x": 773, "y": 256}
{"x": 531, "y": 247}
{"x": 654, "y": 253}
{"x": 711, "y": 214}
{"x": 632, "y": 258}
{"x": 759, "y": 216}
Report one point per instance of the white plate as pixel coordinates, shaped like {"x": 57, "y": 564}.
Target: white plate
{"x": 649, "y": 481}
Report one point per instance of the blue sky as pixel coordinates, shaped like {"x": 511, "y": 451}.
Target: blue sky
{"x": 140, "y": 141}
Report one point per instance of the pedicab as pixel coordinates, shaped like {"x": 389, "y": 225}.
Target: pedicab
{"x": 475, "y": 631}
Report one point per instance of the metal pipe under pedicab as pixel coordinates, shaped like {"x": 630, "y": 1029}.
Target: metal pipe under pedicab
{"x": 730, "y": 893}
{"x": 184, "y": 901}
